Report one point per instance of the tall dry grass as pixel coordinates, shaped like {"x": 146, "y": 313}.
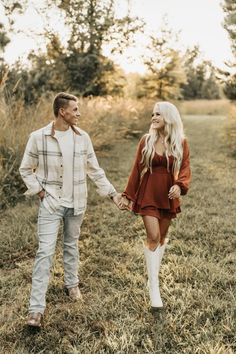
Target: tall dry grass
{"x": 204, "y": 107}
{"x": 106, "y": 119}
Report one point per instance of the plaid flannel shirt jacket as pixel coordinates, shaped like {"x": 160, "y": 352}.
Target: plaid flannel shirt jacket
{"x": 42, "y": 168}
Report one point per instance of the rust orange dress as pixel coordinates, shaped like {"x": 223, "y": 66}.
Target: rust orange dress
{"x": 150, "y": 195}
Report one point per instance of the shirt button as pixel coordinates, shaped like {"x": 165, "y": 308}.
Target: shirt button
{"x": 61, "y": 165}
{"x": 60, "y": 176}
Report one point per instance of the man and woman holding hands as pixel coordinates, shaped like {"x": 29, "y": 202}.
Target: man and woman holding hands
{"x": 57, "y": 160}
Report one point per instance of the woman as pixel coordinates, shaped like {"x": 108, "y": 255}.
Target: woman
{"x": 160, "y": 174}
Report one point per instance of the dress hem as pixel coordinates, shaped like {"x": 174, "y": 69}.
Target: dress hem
{"x": 156, "y": 212}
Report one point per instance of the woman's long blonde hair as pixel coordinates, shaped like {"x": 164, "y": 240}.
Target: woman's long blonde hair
{"x": 174, "y": 135}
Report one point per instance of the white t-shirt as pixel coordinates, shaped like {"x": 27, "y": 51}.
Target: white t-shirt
{"x": 66, "y": 143}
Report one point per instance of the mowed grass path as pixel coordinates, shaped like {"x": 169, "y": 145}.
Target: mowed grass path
{"x": 197, "y": 276}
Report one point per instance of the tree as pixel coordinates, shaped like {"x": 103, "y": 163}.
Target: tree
{"x": 92, "y": 25}
{"x": 201, "y": 77}
{"x": 230, "y": 87}
{"x": 80, "y": 66}
{"x": 10, "y": 7}
{"x": 46, "y": 73}
{"x": 229, "y": 7}
{"x": 165, "y": 72}
{"x": 210, "y": 87}
{"x": 4, "y": 40}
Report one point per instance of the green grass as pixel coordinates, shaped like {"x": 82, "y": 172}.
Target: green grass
{"x": 197, "y": 275}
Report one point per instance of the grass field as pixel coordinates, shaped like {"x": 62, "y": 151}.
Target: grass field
{"x": 197, "y": 275}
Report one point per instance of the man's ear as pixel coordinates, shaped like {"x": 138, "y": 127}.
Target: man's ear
{"x": 62, "y": 111}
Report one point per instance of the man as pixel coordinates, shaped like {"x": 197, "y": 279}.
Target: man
{"x": 56, "y": 161}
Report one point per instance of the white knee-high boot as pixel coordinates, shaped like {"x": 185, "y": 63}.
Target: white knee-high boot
{"x": 162, "y": 250}
{"x": 153, "y": 262}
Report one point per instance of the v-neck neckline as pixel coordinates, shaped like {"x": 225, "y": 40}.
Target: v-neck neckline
{"x": 159, "y": 154}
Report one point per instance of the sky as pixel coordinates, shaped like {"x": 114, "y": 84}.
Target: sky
{"x": 199, "y": 22}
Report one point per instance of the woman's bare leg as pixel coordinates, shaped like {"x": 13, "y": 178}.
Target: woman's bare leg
{"x": 153, "y": 231}
{"x": 164, "y": 226}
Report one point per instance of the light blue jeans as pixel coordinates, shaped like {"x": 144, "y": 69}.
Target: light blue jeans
{"x": 48, "y": 226}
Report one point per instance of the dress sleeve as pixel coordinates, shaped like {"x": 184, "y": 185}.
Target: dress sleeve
{"x": 184, "y": 176}
{"x": 134, "y": 177}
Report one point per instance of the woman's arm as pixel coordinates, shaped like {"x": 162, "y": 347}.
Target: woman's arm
{"x": 184, "y": 176}
{"x": 134, "y": 177}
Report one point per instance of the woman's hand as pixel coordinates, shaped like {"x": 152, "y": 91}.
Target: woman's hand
{"x": 125, "y": 204}
{"x": 174, "y": 192}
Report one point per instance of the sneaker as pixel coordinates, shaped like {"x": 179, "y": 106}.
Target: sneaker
{"x": 74, "y": 293}
{"x": 35, "y": 319}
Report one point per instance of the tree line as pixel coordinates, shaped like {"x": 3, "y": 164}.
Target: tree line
{"x": 229, "y": 77}
{"x": 81, "y": 67}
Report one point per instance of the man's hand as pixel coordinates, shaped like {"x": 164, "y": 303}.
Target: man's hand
{"x": 41, "y": 194}
{"x": 125, "y": 204}
{"x": 174, "y": 192}
{"x": 116, "y": 199}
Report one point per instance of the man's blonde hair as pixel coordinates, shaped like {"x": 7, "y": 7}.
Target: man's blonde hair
{"x": 62, "y": 100}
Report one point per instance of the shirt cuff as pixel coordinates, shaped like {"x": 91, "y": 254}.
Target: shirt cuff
{"x": 33, "y": 191}
{"x": 112, "y": 194}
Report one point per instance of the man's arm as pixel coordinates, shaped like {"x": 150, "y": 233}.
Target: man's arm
{"x": 97, "y": 174}
{"x": 28, "y": 165}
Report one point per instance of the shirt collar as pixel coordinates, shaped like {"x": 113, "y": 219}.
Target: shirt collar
{"x": 50, "y": 130}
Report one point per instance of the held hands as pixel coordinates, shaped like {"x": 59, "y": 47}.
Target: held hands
{"x": 122, "y": 202}
{"x": 125, "y": 204}
{"x": 174, "y": 192}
